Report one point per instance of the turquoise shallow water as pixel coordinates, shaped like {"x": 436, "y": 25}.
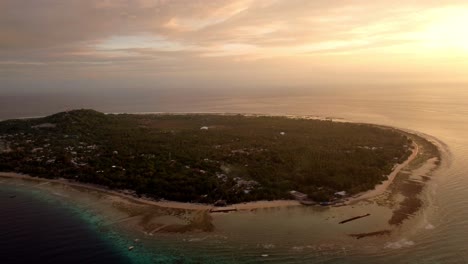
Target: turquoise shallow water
{"x": 35, "y": 226}
{"x": 55, "y": 224}
{"x": 436, "y": 235}
{"x": 43, "y": 224}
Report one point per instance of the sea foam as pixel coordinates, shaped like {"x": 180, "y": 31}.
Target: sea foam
{"x": 399, "y": 244}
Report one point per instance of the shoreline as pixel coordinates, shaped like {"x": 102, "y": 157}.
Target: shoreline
{"x": 166, "y": 204}
{"x": 381, "y": 188}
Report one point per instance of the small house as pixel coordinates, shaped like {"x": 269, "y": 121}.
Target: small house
{"x": 342, "y": 193}
{"x": 220, "y": 203}
{"x": 298, "y": 195}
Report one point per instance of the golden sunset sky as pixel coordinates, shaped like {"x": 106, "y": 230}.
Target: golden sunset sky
{"x": 101, "y": 44}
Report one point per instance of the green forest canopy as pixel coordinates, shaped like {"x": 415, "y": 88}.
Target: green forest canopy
{"x": 204, "y": 157}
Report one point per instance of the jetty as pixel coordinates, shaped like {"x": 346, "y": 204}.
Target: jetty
{"x": 377, "y": 233}
{"x": 223, "y": 209}
{"x": 354, "y": 218}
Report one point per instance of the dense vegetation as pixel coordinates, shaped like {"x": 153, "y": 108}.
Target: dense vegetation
{"x": 233, "y": 157}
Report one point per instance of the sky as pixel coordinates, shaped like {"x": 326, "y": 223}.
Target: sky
{"x": 126, "y": 45}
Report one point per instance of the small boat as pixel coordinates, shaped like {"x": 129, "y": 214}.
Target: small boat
{"x": 130, "y": 248}
{"x": 307, "y": 202}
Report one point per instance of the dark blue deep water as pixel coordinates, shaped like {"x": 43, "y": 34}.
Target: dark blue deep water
{"x": 37, "y": 230}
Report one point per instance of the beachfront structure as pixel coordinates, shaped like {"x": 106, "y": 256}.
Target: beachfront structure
{"x": 298, "y": 195}
{"x": 342, "y": 193}
{"x": 220, "y": 203}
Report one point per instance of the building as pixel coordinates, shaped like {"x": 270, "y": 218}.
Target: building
{"x": 298, "y": 195}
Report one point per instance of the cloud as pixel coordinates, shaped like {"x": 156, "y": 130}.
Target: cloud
{"x": 198, "y": 36}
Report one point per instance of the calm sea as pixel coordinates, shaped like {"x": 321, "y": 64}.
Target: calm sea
{"x": 32, "y": 228}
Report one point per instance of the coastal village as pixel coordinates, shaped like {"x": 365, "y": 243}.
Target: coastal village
{"x": 42, "y": 151}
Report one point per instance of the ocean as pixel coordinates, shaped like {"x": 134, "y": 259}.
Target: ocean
{"x": 39, "y": 225}
{"x": 36, "y": 228}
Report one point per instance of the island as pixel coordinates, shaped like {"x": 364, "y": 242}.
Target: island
{"x": 205, "y": 158}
